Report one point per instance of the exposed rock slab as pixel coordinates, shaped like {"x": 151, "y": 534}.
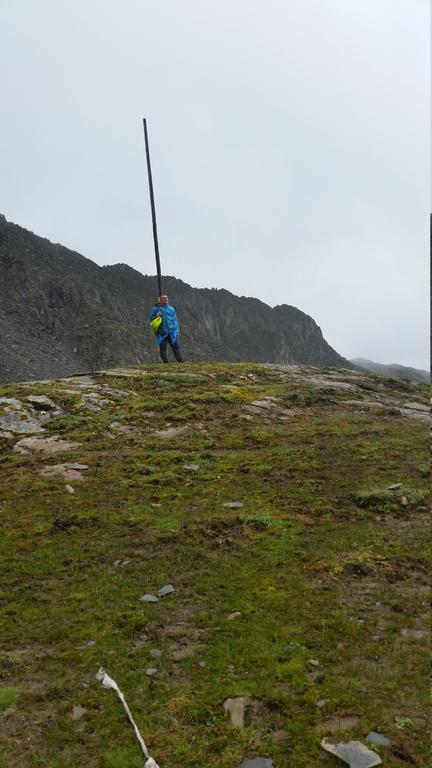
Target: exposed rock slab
{"x": 62, "y": 471}
{"x": 49, "y": 446}
{"x": 15, "y": 418}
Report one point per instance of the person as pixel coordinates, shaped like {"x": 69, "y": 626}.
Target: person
{"x": 168, "y": 331}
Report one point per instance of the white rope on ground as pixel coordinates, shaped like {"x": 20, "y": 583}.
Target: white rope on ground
{"x": 108, "y": 682}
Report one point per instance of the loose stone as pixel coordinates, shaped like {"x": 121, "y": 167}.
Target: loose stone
{"x": 168, "y": 589}
{"x": 374, "y": 737}
{"x": 78, "y": 712}
{"x": 233, "y": 504}
{"x": 235, "y": 708}
{"x": 149, "y": 599}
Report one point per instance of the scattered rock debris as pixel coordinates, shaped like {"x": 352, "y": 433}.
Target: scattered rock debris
{"x": 149, "y": 599}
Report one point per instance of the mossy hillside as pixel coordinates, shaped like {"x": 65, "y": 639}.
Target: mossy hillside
{"x": 321, "y": 562}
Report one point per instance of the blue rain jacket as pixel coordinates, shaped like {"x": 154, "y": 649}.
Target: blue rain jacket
{"x": 169, "y": 326}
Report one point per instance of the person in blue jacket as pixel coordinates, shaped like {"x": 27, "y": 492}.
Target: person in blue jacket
{"x": 168, "y": 331}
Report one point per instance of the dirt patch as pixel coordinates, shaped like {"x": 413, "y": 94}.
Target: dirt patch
{"x": 224, "y": 534}
{"x": 337, "y": 724}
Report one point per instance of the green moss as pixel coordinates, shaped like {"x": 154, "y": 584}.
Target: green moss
{"x": 8, "y": 696}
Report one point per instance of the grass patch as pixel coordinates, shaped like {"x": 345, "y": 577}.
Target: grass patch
{"x": 8, "y": 696}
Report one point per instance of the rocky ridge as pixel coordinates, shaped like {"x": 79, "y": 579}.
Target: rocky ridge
{"x": 61, "y": 314}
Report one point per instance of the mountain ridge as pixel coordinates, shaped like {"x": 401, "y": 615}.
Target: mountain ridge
{"x": 63, "y": 314}
{"x": 392, "y": 369}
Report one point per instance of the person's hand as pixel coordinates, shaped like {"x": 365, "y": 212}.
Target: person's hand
{"x": 158, "y": 314}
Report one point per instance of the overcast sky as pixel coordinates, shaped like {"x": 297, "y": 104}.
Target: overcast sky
{"x": 289, "y": 143}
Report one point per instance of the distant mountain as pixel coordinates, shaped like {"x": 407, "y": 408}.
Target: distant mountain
{"x": 62, "y": 314}
{"x": 401, "y": 371}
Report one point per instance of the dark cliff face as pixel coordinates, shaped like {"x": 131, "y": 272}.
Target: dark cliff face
{"x": 61, "y": 314}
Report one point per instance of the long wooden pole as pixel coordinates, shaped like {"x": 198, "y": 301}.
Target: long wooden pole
{"x": 152, "y": 203}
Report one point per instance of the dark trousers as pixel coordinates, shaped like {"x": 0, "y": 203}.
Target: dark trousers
{"x": 175, "y": 348}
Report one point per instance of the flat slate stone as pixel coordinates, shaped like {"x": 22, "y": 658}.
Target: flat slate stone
{"x": 374, "y": 737}
{"x": 417, "y": 407}
{"x": 235, "y": 708}
{"x": 257, "y": 762}
{"x": 352, "y": 752}
{"x": 76, "y": 465}
{"x": 168, "y": 589}
{"x": 233, "y": 504}
{"x": 149, "y": 599}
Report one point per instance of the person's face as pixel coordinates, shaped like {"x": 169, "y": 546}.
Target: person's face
{"x": 164, "y": 300}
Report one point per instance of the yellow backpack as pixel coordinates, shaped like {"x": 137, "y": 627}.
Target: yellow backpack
{"x": 155, "y": 324}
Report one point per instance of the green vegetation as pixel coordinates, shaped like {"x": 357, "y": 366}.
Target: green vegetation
{"x": 320, "y": 562}
{"x": 8, "y": 696}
